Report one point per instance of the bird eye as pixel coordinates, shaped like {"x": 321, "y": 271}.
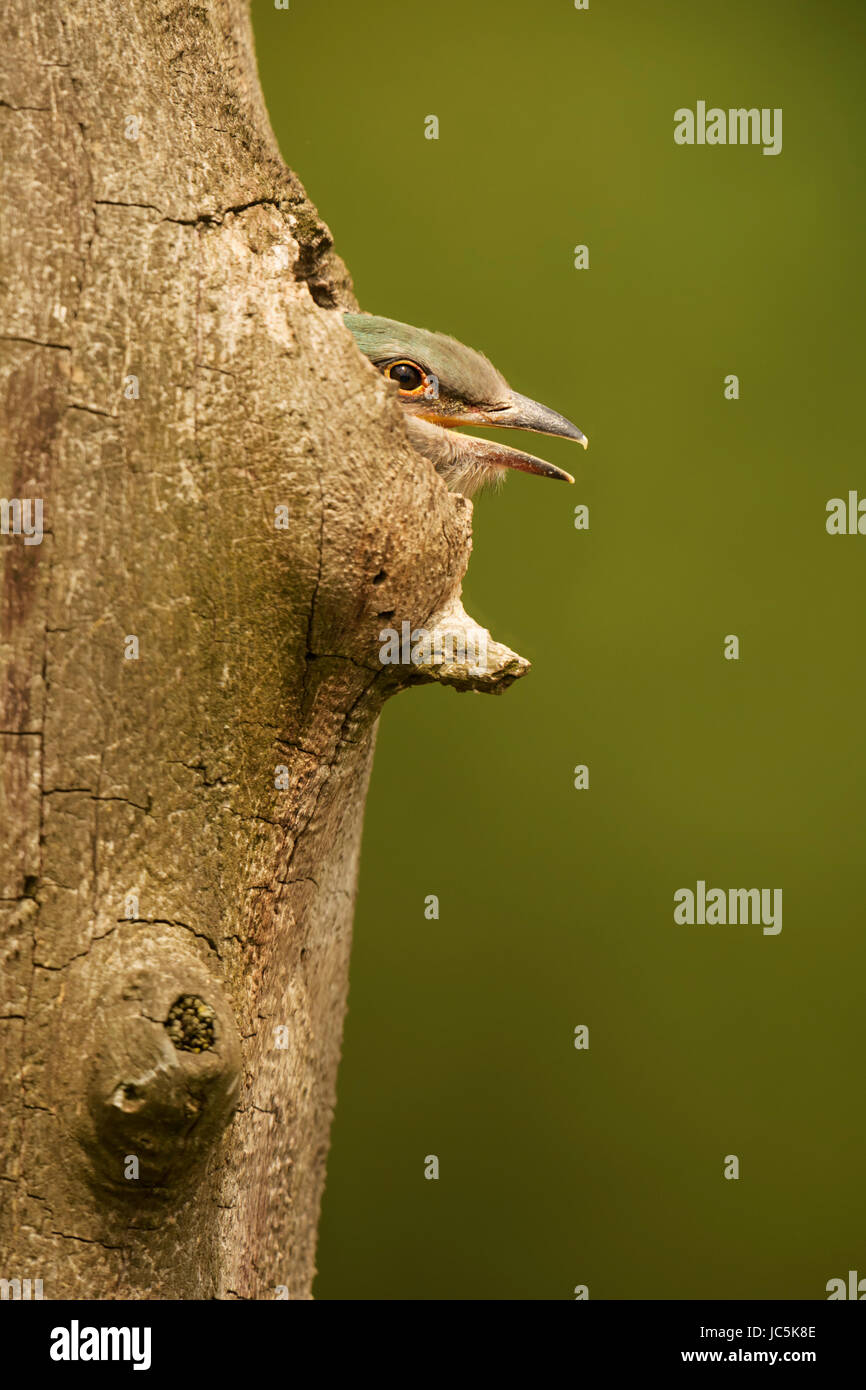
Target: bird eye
{"x": 408, "y": 375}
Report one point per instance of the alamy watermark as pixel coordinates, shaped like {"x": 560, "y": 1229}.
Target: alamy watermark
{"x": 736, "y": 126}
{"x": 22, "y": 516}
{"x": 846, "y": 517}
{"x": 77, "y": 1343}
{"x": 732, "y": 906}
{"x": 22, "y": 1289}
{"x": 420, "y": 647}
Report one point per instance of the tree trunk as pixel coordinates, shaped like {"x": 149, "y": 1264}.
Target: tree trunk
{"x": 190, "y": 657}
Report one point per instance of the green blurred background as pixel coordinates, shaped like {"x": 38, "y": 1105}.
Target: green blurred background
{"x": 561, "y": 1167}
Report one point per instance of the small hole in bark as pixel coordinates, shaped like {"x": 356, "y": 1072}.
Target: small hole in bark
{"x": 190, "y": 1024}
{"x": 380, "y": 577}
{"x": 30, "y": 883}
{"x": 388, "y": 613}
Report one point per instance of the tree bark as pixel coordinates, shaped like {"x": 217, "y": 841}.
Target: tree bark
{"x": 190, "y": 669}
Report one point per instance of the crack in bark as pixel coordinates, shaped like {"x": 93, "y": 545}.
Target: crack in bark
{"x": 200, "y": 219}
{"x": 88, "y": 1240}
{"x": 166, "y": 922}
{"x": 92, "y": 409}
{"x": 34, "y": 342}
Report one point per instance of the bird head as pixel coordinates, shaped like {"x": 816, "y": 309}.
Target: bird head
{"x": 442, "y": 384}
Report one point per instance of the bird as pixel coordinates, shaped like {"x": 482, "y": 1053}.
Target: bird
{"x": 441, "y": 384}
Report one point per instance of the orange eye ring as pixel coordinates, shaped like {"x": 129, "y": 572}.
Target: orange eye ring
{"x": 407, "y": 376}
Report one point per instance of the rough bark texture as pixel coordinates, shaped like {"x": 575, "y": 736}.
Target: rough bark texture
{"x": 173, "y": 371}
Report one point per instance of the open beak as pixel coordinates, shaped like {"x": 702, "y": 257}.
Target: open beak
{"x": 520, "y": 413}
